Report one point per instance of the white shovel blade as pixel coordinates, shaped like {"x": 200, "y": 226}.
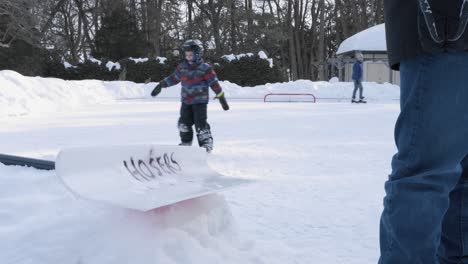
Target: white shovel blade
{"x": 141, "y": 177}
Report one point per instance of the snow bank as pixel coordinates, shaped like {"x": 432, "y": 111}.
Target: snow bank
{"x": 321, "y": 90}
{"x": 20, "y": 95}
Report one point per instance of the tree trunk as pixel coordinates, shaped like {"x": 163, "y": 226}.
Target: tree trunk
{"x": 70, "y": 35}
{"x": 158, "y": 27}
{"x": 154, "y": 26}
{"x": 96, "y": 15}
{"x": 271, "y": 8}
{"x": 250, "y": 37}
{"x": 342, "y": 20}
{"x": 144, "y": 19}
{"x": 213, "y": 12}
{"x": 217, "y": 35}
{"x": 297, "y": 40}
{"x": 292, "y": 50}
{"x": 190, "y": 19}
{"x": 233, "y": 27}
{"x": 84, "y": 19}
{"x": 133, "y": 9}
{"x": 52, "y": 15}
{"x": 321, "y": 51}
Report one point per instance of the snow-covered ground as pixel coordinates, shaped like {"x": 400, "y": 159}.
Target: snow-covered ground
{"x": 21, "y": 95}
{"x": 318, "y": 168}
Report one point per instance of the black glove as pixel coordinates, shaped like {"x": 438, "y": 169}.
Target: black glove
{"x": 222, "y": 100}
{"x": 156, "y": 90}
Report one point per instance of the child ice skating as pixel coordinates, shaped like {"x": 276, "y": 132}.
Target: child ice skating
{"x": 196, "y": 76}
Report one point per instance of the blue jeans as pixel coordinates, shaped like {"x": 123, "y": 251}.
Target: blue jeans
{"x": 358, "y": 85}
{"x": 425, "y": 216}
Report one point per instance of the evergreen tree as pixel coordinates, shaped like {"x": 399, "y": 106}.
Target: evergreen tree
{"x": 119, "y": 36}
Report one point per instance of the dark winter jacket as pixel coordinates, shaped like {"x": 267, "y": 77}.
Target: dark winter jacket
{"x": 357, "y": 71}
{"x": 416, "y": 27}
{"x": 196, "y": 79}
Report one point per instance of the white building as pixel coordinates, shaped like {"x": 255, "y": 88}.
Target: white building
{"x": 372, "y": 43}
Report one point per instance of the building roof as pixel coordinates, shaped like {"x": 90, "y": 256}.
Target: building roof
{"x": 370, "y": 40}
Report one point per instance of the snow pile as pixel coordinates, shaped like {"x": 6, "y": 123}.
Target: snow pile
{"x": 371, "y": 39}
{"x": 20, "y": 95}
{"x": 261, "y": 54}
{"x": 46, "y": 224}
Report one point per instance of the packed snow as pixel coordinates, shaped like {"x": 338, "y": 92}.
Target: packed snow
{"x": 371, "y": 39}
{"x": 318, "y": 172}
{"x": 21, "y": 95}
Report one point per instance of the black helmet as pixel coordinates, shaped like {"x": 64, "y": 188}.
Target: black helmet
{"x": 195, "y": 46}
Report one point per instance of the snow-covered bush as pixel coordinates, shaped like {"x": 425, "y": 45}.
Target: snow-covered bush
{"x": 245, "y": 71}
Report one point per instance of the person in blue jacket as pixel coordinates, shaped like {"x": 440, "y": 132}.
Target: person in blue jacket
{"x": 357, "y": 78}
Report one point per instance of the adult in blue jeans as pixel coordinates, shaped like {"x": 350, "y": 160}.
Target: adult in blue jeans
{"x": 357, "y": 78}
{"x": 425, "y": 216}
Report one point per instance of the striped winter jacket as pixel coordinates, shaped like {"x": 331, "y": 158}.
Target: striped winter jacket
{"x": 196, "y": 79}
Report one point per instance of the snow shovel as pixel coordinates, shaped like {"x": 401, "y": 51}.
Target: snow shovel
{"x": 141, "y": 177}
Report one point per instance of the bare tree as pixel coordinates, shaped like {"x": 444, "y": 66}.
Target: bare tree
{"x": 154, "y": 12}
{"x": 233, "y": 33}
{"x": 212, "y": 10}
{"x": 321, "y": 49}
{"x": 86, "y": 25}
{"x": 18, "y": 22}
{"x": 189, "y": 19}
{"x": 299, "y": 34}
{"x": 72, "y": 31}
{"x": 292, "y": 48}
